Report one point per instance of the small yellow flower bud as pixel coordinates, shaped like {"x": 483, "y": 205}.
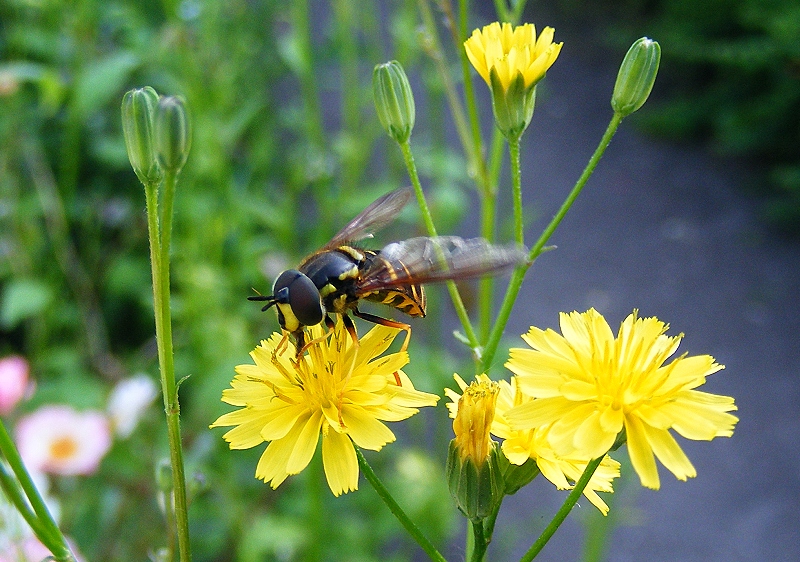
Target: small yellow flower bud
{"x": 394, "y": 100}
{"x": 138, "y": 116}
{"x": 512, "y": 60}
{"x": 473, "y": 472}
{"x": 636, "y": 76}
{"x": 173, "y": 133}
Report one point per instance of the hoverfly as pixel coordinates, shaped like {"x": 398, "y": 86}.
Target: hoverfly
{"x": 337, "y": 276}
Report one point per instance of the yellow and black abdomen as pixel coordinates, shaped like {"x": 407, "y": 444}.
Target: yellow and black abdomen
{"x": 407, "y": 298}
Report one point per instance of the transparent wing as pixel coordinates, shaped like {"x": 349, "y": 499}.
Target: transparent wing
{"x": 427, "y": 260}
{"x": 373, "y": 218}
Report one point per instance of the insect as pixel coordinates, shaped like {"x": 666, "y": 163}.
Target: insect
{"x": 339, "y": 275}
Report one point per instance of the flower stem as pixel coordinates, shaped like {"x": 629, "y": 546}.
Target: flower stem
{"x": 455, "y": 296}
{"x": 160, "y": 234}
{"x": 479, "y": 542}
{"x": 518, "y": 276}
{"x": 516, "y": 188}
{"x": 562, "y": 513}
{"x": 396, "y": 510}
{"x": 22, "y": 492}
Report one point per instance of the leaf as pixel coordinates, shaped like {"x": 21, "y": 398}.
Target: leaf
{"x": 22, "y": 299}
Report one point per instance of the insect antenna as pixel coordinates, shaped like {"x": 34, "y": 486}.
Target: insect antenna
{"x": 270, "y": 299}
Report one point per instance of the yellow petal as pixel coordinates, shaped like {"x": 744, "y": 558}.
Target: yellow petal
{"x": 670, "y": 453}
{"x": 641, "y": 453}
{"x": 365, "y": 430}
{"x": 340, "y": 463}
{"x": 306, "y": 443}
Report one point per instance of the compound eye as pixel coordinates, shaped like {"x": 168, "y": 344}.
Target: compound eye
{"x": 302, "y": 296}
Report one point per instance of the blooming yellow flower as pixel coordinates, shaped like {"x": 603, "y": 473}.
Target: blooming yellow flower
{"x": 511, "y": 51}
{"x": 520, "y": 445}
{"x": 340, "y": 389}
{"x": 587, "y": 386}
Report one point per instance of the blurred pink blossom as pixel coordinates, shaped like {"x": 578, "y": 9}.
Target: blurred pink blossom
{"x": 61, "y": 440}
{"x": 13, "y": 382}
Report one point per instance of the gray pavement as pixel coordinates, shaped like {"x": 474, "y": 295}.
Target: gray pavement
{"x": 668, "y": 230}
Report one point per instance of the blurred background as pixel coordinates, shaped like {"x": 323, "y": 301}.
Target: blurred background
{"x": 692, "y": 216}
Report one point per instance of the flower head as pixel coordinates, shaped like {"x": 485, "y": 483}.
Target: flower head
{"x": 521, "y": 445}
{"x": 338, "y": 389}
{"x": 512, "y": 60}
{"x": 60, "y": 440}
{"x": 586, "y": 386}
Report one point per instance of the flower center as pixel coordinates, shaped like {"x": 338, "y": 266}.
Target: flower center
{"x": 63, "y": 448}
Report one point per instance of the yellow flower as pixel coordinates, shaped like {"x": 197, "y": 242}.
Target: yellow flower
{"x": 512, "y": 61}
{"x": 520, "y": 445}
{"x": 588, "y": 386}
{"x": 512, "y": 51}
{"x": 339, "y": 389}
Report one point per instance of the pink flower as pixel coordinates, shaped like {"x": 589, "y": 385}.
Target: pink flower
{"x": 13, "y": 382}
{"x": 61, "y": 440}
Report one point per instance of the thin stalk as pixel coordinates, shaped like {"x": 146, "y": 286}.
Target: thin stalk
{"x": 455, "y": 296}
{"x": 518, "y": 276}
{"x": 396, "y": 510}
{"x": 516, "y": 189}
{"x": 160, "y": 234}
{"x": 562, "y": 513}
{"x": 479, "y": 542}
{"x": 30, "y": 505}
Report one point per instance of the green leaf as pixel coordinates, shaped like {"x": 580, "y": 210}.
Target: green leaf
{"x": 23, "y": 298}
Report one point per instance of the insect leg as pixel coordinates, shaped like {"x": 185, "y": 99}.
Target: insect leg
{"x": 386, "y": 322}
{"x": 391, "y": 324}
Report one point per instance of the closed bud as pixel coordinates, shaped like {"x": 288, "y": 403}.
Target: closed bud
{"x": 473, "y": 472}
{"x": 636, "y": 77}
{"x": 138, "y": 117}
{"x": 394, "y": 100}
{"x": 477, "y": 488}
{"x": 173, "y": 133}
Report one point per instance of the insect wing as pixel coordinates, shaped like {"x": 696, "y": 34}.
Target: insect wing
{"x": 372, "y": 219}
{"x": 442, "y": 258}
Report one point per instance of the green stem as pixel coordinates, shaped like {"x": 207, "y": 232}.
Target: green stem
{"x": 396, "y": 510}
{"x": 22, "y": 492}
{"x": 516, "y": 189}
{"x": 479, "y": 542}
{"x": 518, "y": 276}
{"x": 562, "y": 513}
{"x": 160, "y": 234}
{"x": 455, "y": 296}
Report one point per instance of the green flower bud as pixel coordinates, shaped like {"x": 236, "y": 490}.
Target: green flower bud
{"x": 636, "y": 77}
{"x": 477, "y": 488}
{"x": 173, "y": 133}
{"x": 512, "y": 105}
{"x": 138, "y": 116}
{"x": 394, "y": 100}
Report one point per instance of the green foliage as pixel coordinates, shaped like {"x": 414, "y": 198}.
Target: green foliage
{"x": 286, "y": 147}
